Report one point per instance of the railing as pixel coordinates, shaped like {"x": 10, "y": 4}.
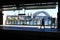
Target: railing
{"x": 30, "y": 22}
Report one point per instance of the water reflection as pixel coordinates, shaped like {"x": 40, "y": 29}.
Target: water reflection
{"x": 32, "y": 29}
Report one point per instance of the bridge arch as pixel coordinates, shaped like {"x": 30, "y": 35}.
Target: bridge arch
{"x": 39, "y": 12}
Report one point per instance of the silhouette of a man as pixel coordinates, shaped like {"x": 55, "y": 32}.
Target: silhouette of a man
{"x": 43, "y": 23}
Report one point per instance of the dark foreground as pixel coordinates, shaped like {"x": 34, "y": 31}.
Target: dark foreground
{"x": 29, "y": 33}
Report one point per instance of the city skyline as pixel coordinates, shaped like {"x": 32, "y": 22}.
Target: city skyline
{"x": 51, "y": 12}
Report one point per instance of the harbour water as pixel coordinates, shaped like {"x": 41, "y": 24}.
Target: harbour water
{"x": 31, "y": 29}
